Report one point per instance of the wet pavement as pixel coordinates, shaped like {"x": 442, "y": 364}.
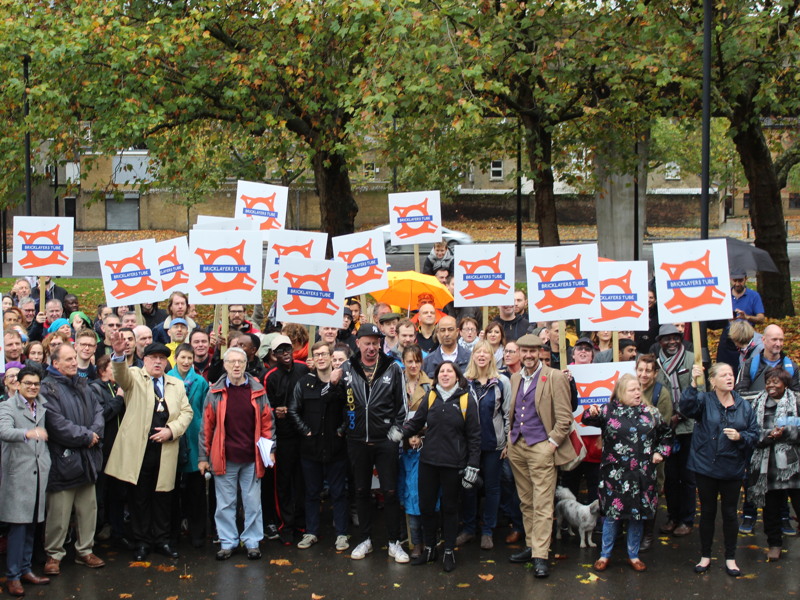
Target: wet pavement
{"x": 321, "y": 572}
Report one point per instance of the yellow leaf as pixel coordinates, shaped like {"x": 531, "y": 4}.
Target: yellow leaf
{"x": 316, "y": 597}
{"x": 126, "y": 595}
{"x": 397, "y": 585}
{"x": 281, "y": 562}
{"x": 462, "y": 585}
{"x": 171, "y": 598}
{"x": 240, "y": 566}
{"x": 140, "y": 564}
{"x": 488, "y": 577}
{"x": 185, "y": 576}
{"x": 166, "y": 569}
{"x": 298, "y": 571}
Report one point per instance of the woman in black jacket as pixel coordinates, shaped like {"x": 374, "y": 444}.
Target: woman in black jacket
{"x": 450, "y": 456}
{"x": 724, "y": 434}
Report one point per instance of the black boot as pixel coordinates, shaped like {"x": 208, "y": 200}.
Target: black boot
{"x": 647, "y": 535}
{"x": 429, "y": 554}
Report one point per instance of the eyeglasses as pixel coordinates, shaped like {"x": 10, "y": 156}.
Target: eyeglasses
{"x": 235, "y": 312}
{"x": 30, "y": 383}
{"x": 11, "y": 376}
{"x": 510, "y": 351}
{"x": 321, "y": 354}
{"x": 83, "y": 345}
{"x": 231, "y": 361}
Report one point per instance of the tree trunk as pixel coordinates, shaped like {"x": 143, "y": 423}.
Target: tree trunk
{"x": 766, "y": 214}
{"x": 337, "y": 206}
{"x": 540, "y": 145}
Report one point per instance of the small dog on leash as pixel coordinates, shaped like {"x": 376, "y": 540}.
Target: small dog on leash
{"x": 575, "y": 515}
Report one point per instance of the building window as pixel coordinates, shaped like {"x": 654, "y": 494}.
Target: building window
{"x": 369, "y": 170}
{"x": 672, "y": 171}
{"x": 746, "y": 200}
{"x": 794, "y": 200}
{"x": 496, "y": 170}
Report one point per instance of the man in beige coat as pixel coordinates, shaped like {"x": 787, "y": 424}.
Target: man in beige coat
{"x": 541, "y": 415}
{"x": 145, "y": 453}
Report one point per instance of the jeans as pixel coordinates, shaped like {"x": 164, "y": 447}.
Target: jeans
{"x": 384, "y": 456}
{"x": 509, "y": 499}
{"x": 491, "y": 471}
{"x": 727, "y": 490}
{"x": 415, "y": 529}
{"x": 20, "y": 549}
{"x": 610, "y": 527}
{"x": 315, "y": 474}
{"x": 679, "y": 483}
{"x": 238, "y": 476}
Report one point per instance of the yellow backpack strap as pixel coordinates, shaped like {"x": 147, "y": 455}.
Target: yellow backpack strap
{"x": 464, "y": 401}
{"x": 431, "y": 398}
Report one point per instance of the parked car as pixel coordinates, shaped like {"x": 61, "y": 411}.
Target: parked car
{"x": 451, "y": 236}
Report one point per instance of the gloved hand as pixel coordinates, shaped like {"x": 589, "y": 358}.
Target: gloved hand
{"x": 395, "y": 434}
{"x": 469, "y": 478}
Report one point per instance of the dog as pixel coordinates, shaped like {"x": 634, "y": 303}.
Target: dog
{"x": 571, "y": 513}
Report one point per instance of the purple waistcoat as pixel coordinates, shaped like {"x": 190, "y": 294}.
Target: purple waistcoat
{"x": 526, "y": 419}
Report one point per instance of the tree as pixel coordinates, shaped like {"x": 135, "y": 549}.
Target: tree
{"x": 242, "y": 69}
{"x": 755, "y": 87}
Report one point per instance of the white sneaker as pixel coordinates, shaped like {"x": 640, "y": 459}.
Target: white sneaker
{"x": 342, "y": 543}
{"x": 307, "y": 541}
{"x": 362, "y": 550}
{"x": 396, "y": 551}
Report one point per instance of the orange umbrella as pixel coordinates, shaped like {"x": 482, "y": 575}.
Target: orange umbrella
{"x": 405, "y": 288}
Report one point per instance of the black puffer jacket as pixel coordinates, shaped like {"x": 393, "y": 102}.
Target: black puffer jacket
{"x": 280, "y": 384}
{"x": 317, "y": 407}
{"x": 452, "y": 438}
{"x": 73, "y": 415}
{"x": 371, "y": 410}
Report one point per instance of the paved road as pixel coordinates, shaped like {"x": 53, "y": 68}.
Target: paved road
{"x": 479, "y": 574}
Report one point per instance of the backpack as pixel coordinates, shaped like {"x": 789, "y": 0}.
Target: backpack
{"x": 755, "y": 361}
{"x": 463, "y": 401}
{"x": 656, "y": 392}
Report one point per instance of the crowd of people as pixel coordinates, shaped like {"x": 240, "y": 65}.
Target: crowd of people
{"x": 147, "y": 428}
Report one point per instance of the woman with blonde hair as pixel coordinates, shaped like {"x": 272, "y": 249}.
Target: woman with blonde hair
{"x": 493, "y": 392}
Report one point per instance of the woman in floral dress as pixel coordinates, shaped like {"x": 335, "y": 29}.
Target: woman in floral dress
{"x": 635, "y": 440}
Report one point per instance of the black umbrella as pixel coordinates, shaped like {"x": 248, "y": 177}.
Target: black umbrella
{"x": 743, "y": 256}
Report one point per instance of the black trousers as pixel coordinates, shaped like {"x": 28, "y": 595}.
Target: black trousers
{"x": 192, "y": 488}
{"x": 150, "y": 510}
{"x": 290, "y": 485}
{"x": 774, "y": 508}
{"x": 384, "y": 456}
{"x": 679, "y": 483}
{"x": 432, "y": 480}
{"x": 709, "y": 489}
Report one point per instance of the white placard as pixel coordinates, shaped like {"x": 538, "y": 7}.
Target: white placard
{"x": 130, "y": 272}
{"x": 225, "y": 267}
{"x": 595, "y": 383}
{"x": 483, "y": 275}
{"x": 287, "y": 242}
{"x": 365, "y": 258}
{"x": 563, "y": 282}
{"x": 623, "y": 297}
{"x": 208, "y": 223}
{"x": 173, "y": 260}
{"x": 43, "y": 246}
{"x": 311, "y": 292}
{"x": 692, "y": 281}
{"x": 262, "y": 203}
{"x": 415, "y": 218}
{"x": 3, "y": 346}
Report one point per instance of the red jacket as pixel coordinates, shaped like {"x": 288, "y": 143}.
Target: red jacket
{"x": 212, "y": 434}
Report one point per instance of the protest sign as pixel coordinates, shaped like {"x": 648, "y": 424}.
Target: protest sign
{"x": 225, "y": 267}
{"x": 595, "y": 383}
{"x": 43, "y": 246}
{"x": 365, "y": 258}
{"x": 415, "y": 218}
{"x": 173, "y": 259}
{"x": 262, "y": 203}
{"x": 563, "y": 282}
{"x": 287, "y": 242}
{"x": 483, "y": 275}
{"x": 130, "y": 272}
{"x": 209, "y": 223}
{"x": 623, "y": 297}
{"x": 311, "y": 292}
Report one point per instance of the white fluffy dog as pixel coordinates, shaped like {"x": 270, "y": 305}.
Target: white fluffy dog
{"x": 572, "y": 513}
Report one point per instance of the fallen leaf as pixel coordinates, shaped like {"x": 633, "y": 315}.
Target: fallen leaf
{"x": 126, "y": 595}
{"x": 561, "y": 556}
{"x": 316, "y": 597}
{"x": 298, "y": 571}
{"x": 185, "y": 576}
{"x": 488, "y": 577}
{"x": 754, "y": 547}
{"x": 281, "y": 562}
{"x": 240, "y": 566}
{"x": 166, "y": 569}
{"x": 462, "y": 585}
{"x": 140, "y": 564}
{"x": 750, "y": 576}
{"x": 171, "y": 598}
{"x": 397, "y": 585}
{"x": 489, "y": 562}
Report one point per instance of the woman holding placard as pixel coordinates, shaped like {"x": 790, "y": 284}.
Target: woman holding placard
{"x": 724, "y": 434}
{"x": 635, "y": 440}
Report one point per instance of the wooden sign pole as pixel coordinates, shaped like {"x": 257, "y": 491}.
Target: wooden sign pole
{"x": 137, "y": 308}
{"x": 42, "y": 293}
{"x": 416, "y": 258}
{"x": 698, "y": 351}
{"x": 615, "y": 345}
{"x": 485, "y": 323}
{"x": 224, "y": 317}
{"x": 562, "y": 344}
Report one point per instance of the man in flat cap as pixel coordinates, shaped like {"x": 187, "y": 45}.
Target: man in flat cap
{"x": 148, "y": 460}
{"x": 541, "y": 415}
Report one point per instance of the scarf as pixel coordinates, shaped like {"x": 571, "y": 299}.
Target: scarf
{"x": 787, "y": 460}
{"x": 670, "y": 366}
